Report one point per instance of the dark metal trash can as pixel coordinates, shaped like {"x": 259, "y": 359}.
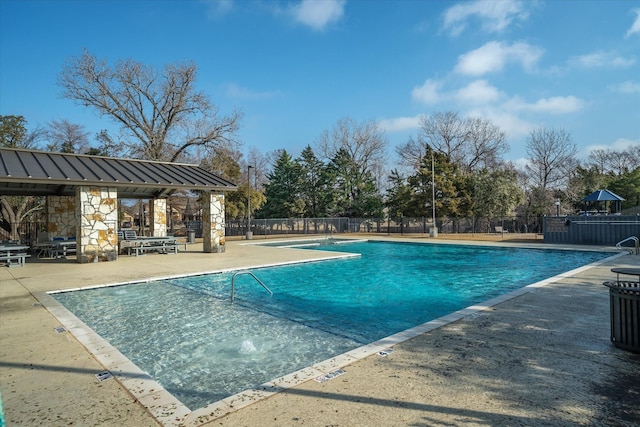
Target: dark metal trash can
{"x": 624, "y": 300}
{"x": 191, "y": 236}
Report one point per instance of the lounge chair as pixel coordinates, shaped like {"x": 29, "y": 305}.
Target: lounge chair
{"x": 130, "y": 235}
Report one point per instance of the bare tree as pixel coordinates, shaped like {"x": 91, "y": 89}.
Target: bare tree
{"x": 365, "y": 144}
{"x": 107, "y": 145}
{"x": 67, "y": 137}
{"x": 163, "y": 112}
{"x": 599, "y": 159}
{"x": 486, "y": 144}
{"x": 615, "y": 162}
{"x": 620, "y": 162}
{"x": 551, "y": 154}
{"x": 469, "y": 143}
{"x": 551, "y": 159}
{"x": 445, "y": 132}
{"x": 634, "y": 156}
{"x": 412, "y": 153}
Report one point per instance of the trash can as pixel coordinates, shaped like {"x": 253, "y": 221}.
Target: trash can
{"x": 624, "y": 300}
{"x": 191, "y": 236}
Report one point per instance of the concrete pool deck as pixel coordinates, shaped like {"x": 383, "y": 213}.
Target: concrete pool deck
{"x": 541, "y": 358}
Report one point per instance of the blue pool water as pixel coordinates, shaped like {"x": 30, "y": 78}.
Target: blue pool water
{"x": 188, "y": 336}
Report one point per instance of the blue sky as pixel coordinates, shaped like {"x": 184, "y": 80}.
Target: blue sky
{"x": 296, "y": 67}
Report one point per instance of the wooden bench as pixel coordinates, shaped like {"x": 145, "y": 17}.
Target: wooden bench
{"x": 19, "y": 257}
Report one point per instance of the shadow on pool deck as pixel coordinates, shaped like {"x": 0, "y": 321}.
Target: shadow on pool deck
{"x": 543, "y": 358}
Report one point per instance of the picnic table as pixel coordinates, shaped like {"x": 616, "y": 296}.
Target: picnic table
{"x": 63, "y": 248}
{"x": 142, "y": 245}
{"x": 10, "y": 252}
{"x": 55, "y": 247}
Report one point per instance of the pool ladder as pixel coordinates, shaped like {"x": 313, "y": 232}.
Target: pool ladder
{"x": 637, "y": 244}
{"x": 233, "y": 279}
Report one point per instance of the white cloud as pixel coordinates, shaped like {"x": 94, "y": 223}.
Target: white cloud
{"x": 218, "y": 7}
{"x": 493, "y": 56}
{"x": 552, "y": 105}
{"x": 628, "y": 87}
{"x": 506, "y": 120}
{"x": 428, "y": 92}
{"x": 478, "y": 92}
{"x": 635, "y": 27}
{"x": 494, "y": 16}
{"x": 238, "y": 92}
{"x": 481, "y": 93}
{"x": 400, "y": 124}
{"x": 557, "y": 105}
{"x": 522, "y": 163}
{"x": 620, "y": 144}
{"x": 317, "y": 14}
{"x": 601, "y": 59}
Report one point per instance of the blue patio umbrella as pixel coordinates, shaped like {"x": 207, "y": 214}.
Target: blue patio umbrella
{"x": 604, "y": 196}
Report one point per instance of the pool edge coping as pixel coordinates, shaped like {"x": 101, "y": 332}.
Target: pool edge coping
{"x": 169, "y": 411}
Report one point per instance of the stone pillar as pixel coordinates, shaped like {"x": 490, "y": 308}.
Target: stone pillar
{"x": 213, "y": 222}
{"x": 158, "y": 216}
{"x": 97, "y": 232}
{"x": 62, "y": 219}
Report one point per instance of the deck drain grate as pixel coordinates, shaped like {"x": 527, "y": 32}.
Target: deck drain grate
{"x": 331, "y": 375}
{"x": 104, "y": 375}
{"x": 60, "y": 329}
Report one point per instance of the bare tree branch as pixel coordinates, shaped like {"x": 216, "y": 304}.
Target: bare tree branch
{"x": 163, "y": 113}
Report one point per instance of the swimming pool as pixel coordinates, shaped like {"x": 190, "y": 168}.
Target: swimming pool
{"x": 188, "y": 336}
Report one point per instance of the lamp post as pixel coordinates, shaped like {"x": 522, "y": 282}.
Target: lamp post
{"x": 434, "y": 230}
{"x": 557, "y": 207}
{"x": 249, "y": 233}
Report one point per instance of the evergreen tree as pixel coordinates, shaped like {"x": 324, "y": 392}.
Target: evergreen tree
{"x": 452, "y": 197}
{"x": 399, "y": 195}
{"x": 315, "y": 190}
{"x": 283, "y": 190}
{"x": 355, "y": 191}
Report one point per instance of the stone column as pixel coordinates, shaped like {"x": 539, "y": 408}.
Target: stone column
{"x": 97, "y": 232}
{"x": 213, "y": 222}
{"x": 158, "y": 216}
{"x": 62, "y": 219}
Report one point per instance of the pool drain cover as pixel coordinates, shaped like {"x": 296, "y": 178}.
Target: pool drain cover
{"x": 60, "y": 329}
{"x": 104, "y": 375}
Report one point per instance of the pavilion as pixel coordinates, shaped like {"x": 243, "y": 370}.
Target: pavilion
{"x": 82, "y": 194}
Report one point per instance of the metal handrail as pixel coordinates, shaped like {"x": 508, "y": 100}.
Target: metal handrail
{"x": 635, "y": 239}
{"x": 233, "y": 279}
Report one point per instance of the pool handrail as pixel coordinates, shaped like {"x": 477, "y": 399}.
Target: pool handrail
{"x": 233, "y": 278}
{"x": 637, "y": 244}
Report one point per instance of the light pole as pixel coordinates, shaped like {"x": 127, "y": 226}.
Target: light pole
{"x": 557, "y": 207}
{"x": 434, "y": 230}
{"x": 249, "y": 233}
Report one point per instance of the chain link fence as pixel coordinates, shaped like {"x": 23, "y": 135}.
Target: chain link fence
{"x": 286, "y": 226}
{"x": 301, "y": 226}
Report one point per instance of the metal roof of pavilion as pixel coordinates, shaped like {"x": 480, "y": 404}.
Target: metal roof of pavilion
{"x": 39, "y": 173}
{"x": 602, "y": 195}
